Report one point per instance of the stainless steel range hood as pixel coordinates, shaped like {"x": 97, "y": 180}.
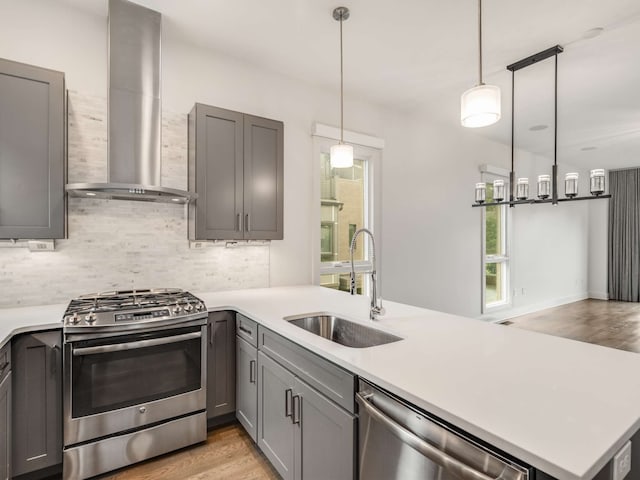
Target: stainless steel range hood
{"x": 134, "y": 147}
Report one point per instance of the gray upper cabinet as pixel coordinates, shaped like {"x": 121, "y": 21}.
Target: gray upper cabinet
{"x": 263, "y": 178}
{"x": 221, "y": 364}
{"x": 32, "y": 152}
{"x": 236, "y": 168}
{"x": 37, "y": 401}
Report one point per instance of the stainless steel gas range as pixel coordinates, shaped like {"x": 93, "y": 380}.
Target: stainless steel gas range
{"x": 134, "y": 378}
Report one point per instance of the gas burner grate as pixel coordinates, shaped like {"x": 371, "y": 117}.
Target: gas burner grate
{"x": 129, "y": 300}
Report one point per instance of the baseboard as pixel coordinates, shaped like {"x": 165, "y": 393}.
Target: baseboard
{"x": 504, "y": 314}
{"x": 221, "y": 420}
{"x": 599, "y": 295}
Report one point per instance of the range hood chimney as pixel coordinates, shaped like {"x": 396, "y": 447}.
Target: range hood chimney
{"x": 134, "y": 147}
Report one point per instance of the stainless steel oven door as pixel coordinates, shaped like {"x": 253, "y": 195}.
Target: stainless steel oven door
{"x": 122, "y": 382}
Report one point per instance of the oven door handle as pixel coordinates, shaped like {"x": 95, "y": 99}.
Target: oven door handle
{"x": 117, "y": 347}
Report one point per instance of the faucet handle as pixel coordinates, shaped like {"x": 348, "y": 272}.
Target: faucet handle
{"x": 376, "y": 312}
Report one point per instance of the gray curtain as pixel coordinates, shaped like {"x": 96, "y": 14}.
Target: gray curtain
{"x": 624, "y": 235}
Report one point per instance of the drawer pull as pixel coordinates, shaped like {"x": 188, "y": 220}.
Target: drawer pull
{"x": 245, "y": 330}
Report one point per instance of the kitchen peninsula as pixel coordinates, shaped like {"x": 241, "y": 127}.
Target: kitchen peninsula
{"x": 544, "y": 400}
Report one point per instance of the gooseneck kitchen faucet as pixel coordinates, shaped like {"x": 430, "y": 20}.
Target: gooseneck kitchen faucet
{"x": 376, "y": 303}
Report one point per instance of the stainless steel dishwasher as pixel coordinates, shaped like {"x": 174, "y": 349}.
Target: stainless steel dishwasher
{"x": 397, "y": 441}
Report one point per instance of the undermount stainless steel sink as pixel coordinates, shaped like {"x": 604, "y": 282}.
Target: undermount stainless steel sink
{"x": 339, "y": 330}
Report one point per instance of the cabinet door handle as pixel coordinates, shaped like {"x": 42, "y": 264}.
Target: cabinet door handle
{"x": 247, "y": 223}
{"x": 54, "y": 360}
{"x": 252, "y": 371}
{"x": 287, "y": 402}
{"x": 238, "y": 226}
{"x": 211, "y": 334}
{"x": 297, "y": 406}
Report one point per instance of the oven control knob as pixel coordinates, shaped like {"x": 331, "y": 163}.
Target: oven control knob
{"x": 177, "y": 309}
{"x": 188, "y": 307}
{"x": 199, "y": 306}
{"x": 90, "y": 318}
{"x": 143, "y": 409}
{"x": 73, "y": 319}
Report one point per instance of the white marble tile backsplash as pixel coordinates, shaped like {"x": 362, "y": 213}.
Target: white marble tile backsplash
{"x": 116, "y": 244}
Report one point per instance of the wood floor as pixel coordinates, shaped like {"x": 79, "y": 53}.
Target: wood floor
{"x": 608, "y": 323}
{"x": 228, "y": 454}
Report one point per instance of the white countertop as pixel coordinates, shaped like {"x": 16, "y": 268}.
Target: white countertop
{"x": 20, "y": 320}
{"x": 562, "y": 406}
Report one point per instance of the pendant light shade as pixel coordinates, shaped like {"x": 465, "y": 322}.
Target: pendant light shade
{"x": 480, "y": 105}
{"x": 341, "y": 155}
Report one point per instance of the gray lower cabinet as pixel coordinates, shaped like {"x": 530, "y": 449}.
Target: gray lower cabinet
{"x": 221, "y": 361}
{"x": 325, "y": 437}
{"x": 304, "y": 434}
{"x": 5, "y": 413}
{"x": 276, "y": 431}
{"x": 236, "y": 167}
{"x": 36, "y": 401}
{"x": 32, "y": 152}
{"x": 247, "y": 386}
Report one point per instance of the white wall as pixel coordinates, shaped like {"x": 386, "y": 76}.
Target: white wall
{"x": 431, "y": 237}
{"x": 550, "y": 244}
{"x": 432, "y": 254}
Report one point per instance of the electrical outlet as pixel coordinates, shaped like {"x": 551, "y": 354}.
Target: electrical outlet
{"x": 621, "y": 464}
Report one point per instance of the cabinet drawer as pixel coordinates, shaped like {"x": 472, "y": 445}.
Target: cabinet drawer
{"x": 247, "y": 329}
{"x": 5, "y": 361}
{"x": 331, "y": 380}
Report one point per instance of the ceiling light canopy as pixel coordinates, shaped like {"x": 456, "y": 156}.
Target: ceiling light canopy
{"x": 480, "y": 105}
{"x": 341, "y": 155}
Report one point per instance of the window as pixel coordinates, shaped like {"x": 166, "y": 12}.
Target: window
{"x": 346, "y": 205}
{"x": 495, "y": 259}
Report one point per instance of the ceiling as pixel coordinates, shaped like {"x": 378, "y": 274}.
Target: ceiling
{"x": 420, "y": 55}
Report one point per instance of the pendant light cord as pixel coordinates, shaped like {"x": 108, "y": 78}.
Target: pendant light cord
{"x": 480, "y": 42}
{"x": 341, "y": 87}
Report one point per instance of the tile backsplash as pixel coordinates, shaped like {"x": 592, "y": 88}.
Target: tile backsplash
{"x": 117, "y": 244}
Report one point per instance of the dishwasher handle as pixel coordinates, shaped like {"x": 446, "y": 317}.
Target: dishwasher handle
{"x": 465, "y": 472}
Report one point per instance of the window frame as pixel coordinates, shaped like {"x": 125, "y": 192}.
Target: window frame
{"x": 371, "y": 154}
{"x": 502, "y": 261}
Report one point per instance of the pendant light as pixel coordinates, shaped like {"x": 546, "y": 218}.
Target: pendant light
{"x": 341, "y": 154}
{"x": 480, "y": 105}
